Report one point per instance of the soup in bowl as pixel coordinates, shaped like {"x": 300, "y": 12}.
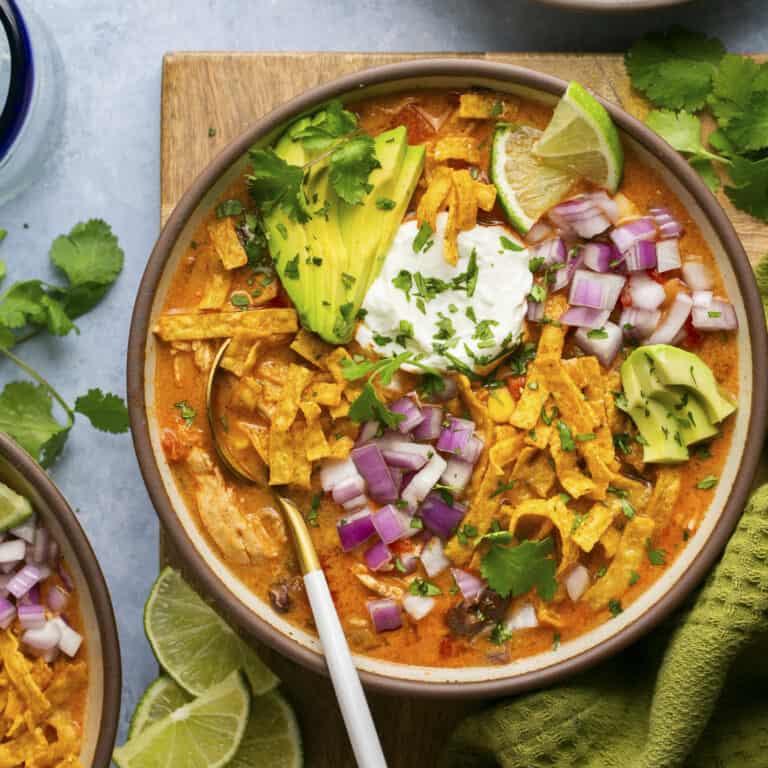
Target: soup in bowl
{"x": 499, "y": 348}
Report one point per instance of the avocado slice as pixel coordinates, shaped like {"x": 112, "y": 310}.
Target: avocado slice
{"x": 328, "y": 263}
{"x": 673, "y": 366}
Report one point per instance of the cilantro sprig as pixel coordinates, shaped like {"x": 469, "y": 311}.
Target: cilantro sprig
{"x": 515, "y": 570}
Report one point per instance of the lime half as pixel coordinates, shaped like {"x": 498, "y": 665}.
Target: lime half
{"x": 159, "y": 700}
{"x": 203, "y": 734}
{"x": 272, "y": 738}
{"x": 582, "y": 140}
{"x": 193, "y": 644}
{"x": 14, "y": 509}
{"x": 526, "y": 186}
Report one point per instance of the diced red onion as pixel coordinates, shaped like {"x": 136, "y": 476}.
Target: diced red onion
{"x": 371, "y": 465}
{"x": 473, "y": 449}
{"x": 12, "y": 551}
{"x": 600, "y": 257}
{"x": 523, "y": 617}
{"x": 33, "y": 596}
{"x": 535, "y": 311}
{"x": 26, "y": 530}
{"x": 580, "y": 215}
{"x": 697, "y": 275}
{"x": 368, "y": 431}
{"x": 57, "y": 599}
{"x": 408, "y": 456}
{"x": 608, "y": 206}
{"x": 407, "y": 408}
{"x": 429, "y": 429}
{"x": 378, "y": 556}
{"x": 645, "y": 292}
{"x": 702, "y": 298}
{"x": 564, "y": 276}
{"x": 24, "y": 580}
{"x": 40, "y": 547}
{"x": 626, "y": 235}
{"x": 674, "y": 321}
{"x": 604, "y": 349}
{"x": 599, "y": 291}
{"x": 385, "y": 615}
{"x": 667, "y": 255}
{"x": 7, "y": 613}
{"x": 585, "y": 317}
{"x": 668, "y": 225}
{"x": 391, "y": 524}
{"x": 397, "y": 478}
{"x": 31, "y": 616}
{"x": 449, "y": 391}
{"x": 354, "y": 530}
{"x": 348, "y": 489}
{"x": 457, "y": 473}
{"x": 66, "y": 579}
{"x": 469, "y": 585}
{"x": 455, "y": 436}
{"x": 335, "y": 471}
{"x": 423, "y": 481}
{"x": 538, "y": 232}
{"x": 358, "y": 502}
{"x": 433, "y": 557}
{"x": 44, "y": 638}
{"x": 418, "y": 606}
{"x": 53, "y": 552}
{"x": 551, "y": 251}
{"x": 70, "y": 641}
{"x": 640, "y": 256}
{"x": 639, "y": 323}
{"x": 577, "y": 582}
{"x": 718, "y": 316}
{"x": 439, "y": 517}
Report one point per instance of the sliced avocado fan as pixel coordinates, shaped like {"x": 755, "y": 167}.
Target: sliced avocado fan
{"x": 328, "y": 262}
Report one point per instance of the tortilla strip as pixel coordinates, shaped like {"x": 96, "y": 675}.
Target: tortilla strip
{"x": 288, "y": 405}
{"x": 457, "y": 147}
{"x": 241, "y": 354}
{"x": 532, "y": 467}
{"x": 311, "y": 347}
{"x": 226, "y": 243}
{"x": 280, "y": 457}
{"x": 219, "y": 282}
{"x": 664, "y": 496}
{"x": 258, "y": 435}
{"x": 575, "y": 482}
{"x": 629, "y": 557}
{"x": 69, "y": 679}
{"x": 610, "y": 541}
{"x": 504, "y": 452}
{"x": 539, "y": 436}
{"x": 486, "y": 106}
{"x": 326, "y": 393}
{"x": 613, "y": 416}
{"x": 440, "y": 185}
{"x": 17, "y": 752}
{"x": 341, "y": 448}
{"x": 18, "y": 672}
{"x": 594, "y": 524}
{"x": 333, "y": 363}
{"x": 188, "y": 326}
{"x": 450, "y": 237}
{"x": 638, "y": 494}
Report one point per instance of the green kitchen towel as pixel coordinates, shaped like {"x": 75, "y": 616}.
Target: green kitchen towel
{"x": 694, "y": 694}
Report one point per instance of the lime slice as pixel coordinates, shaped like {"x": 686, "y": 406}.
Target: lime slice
{"x": 527, "y": 187}
{"x": 203, "y": 734}
{"x": 272, "y": 738}
{"x": 192, "y": 644}
{"x": 159, "y": 700}
{"x": 582, "y": 140}
{"x": 14, "y": 509}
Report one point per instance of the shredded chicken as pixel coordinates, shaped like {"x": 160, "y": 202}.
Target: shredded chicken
{"x": 382, "y": 588}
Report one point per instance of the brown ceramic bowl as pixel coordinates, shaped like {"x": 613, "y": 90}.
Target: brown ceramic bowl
{"x": 253, "y": 616}
{"x": 25, "y": 476}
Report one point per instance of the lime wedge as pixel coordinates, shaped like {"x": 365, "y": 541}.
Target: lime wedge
{"x": 159, "y": 700}
{"x": 582, "y": 140}
{"x": 14, "y": 509}
{"x": 193, "y": 644}
{"x": 203, "y": 734}
{"x": 272, "y": 738}
{"x": 527, "y": 188}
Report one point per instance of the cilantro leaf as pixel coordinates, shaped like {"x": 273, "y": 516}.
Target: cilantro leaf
{"x": 682, "y": 130}
{"x": 27, "y": 303}
{"x": 89, "y": 254}
{"x": 707, "y": 171}
{"x": 761, "y": 275}
{"x": 518, "y": 569}
{"x": 26, "y": 415}
{"x": 322, "y": 129}
{"x": 674, "y": 69}
{"x": 749, "y": 191}
{"x": 106, "y": 412}
{"x": 3, "y": 270}
{"x": 368, "y": 407}
{"x": 351, "y": 164}
{"x": 273, "y": 183}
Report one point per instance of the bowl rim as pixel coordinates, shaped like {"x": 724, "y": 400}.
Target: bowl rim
{"x": 204, "y": 576}
{"x": 618, "y": 6}
{"x": 54, "y": 499}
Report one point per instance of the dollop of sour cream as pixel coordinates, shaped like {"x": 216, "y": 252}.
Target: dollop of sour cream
{"x": 468, "y": 313}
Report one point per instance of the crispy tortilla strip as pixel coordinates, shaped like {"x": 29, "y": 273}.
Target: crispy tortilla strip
{"x": 501, "y": 405}
{"x": 281, "y": 469}
{"x": 341, "y": 447}
{"x": 315, "y": 442}
{"x": 486, "y": 106}
{"x": 66, "y": 745}
{"x": 532, "y": 467}
{"x": 538, "y": 437}
{"x": 219, "y": 282}
{"x": 595, "y": 388}
{"x": 436, "y": 194}
{"x": 302, "y": 466}
{"x": 610, "y": 541}
{"x": 477, "y": 409}
{"x": 613, "y": 416}
{"x": 311, "y": 347}
{"x": 18, "y": 670}
{"x": 188, "y": 326}
{"x": 241, "y": 354}
{"x": 664, "y": 496}
{"x": 504, "y": 452}
{"x": 255, "y": 395}
{"x": 457, "y": 147}
{"x": 334, "y": 366}
{"x": 311, "y": 410}
{"x": 67, "y": 681}
{"x": 226, "y": 243}
{"x": 18, "y": 752}
{"x": 466, "y": 200}
{"x": 629, "y": 557}
{"x": 297, "y": 378}
{"x": 258, "y": 435}
{"x": 595, "y": 523}
{"x": 575, "y": 482}
{"x": 556, "y": 511}
{"x": 261, "y": 294}
{"x": 450, "y": 238}
{"x": 638, "y": 494}
{"x": 339, "y": 411}
{"x": 326, "y": 393}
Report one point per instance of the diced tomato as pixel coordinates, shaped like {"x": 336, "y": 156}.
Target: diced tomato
{"x": 654, "y": 275}
{"x": 626, "y": 296}
{"x": 692, "y": 338}
{"x": 515, "y": 385}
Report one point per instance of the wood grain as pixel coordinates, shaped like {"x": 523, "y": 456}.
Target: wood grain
{"x": 228, "y": 91}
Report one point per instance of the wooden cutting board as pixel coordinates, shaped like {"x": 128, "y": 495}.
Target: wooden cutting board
{"x": 207, "y": 100}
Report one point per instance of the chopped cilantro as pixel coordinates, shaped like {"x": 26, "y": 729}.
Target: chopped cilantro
{"x": 229, "y": 208}
{"x": 314, "y": 510}
{"x": 566, "y": 439}
{"x": 424, "y": 588}
{"x": 515, "y": 570}
{"x": 368, "y": 407}
{"x": 621, "y": 443}
{"x": 614, "y": 606}
{"x": 500, "y": 634}
{"x": 510, "y": 245}
{"x": 655, "y": 556}
{"x": 502, "y": 487}
{"x": 627, "y": 509}
{"x": 385, "y": 204}
{"x": 186, "y": 411}
{"x": 597, "y": 333}
{"x": 634, "y": 577}
{"x": 424, "y": 233}
{"x": 292, "y": 268}
{"x": 403, "y": 281}
{"x": 348, "y": 280}
{"x": 706, "y": 483}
